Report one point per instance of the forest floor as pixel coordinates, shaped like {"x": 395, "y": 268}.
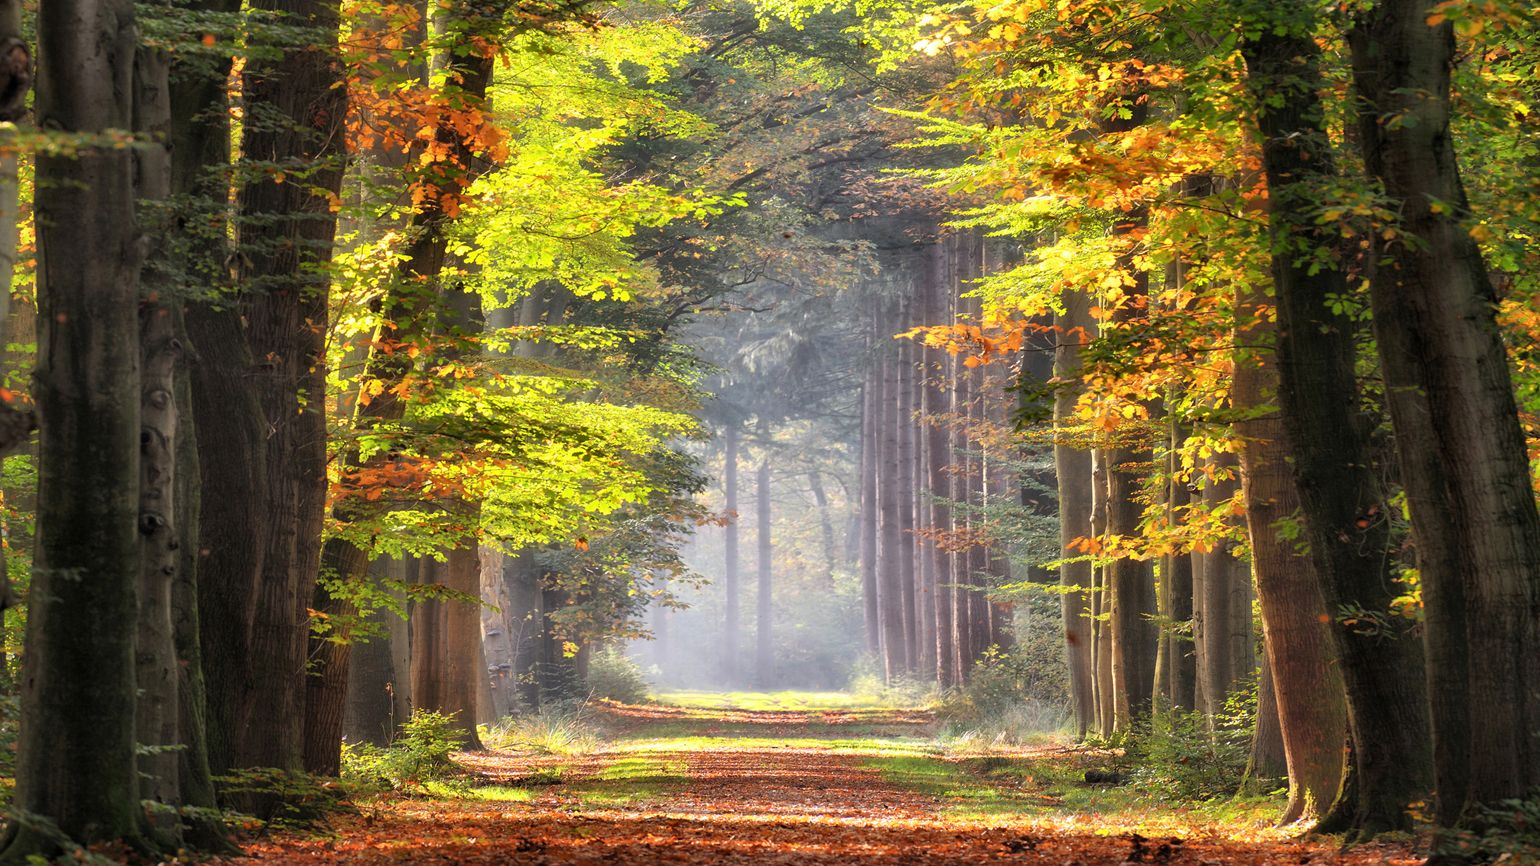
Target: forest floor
{"x": 794, "y": 780}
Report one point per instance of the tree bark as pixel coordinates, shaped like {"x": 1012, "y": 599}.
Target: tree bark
{"x": 286, "y": 235}
{"x": 890, "y": 556}
{"x": 1301, "y": 659}
{"x": 937, "y": 458}
{"x": 1072, "y": 465}
{"x": 76, "y": 762}
{"x": 1344, "y": 508}
{"x": 1458, "y": 434}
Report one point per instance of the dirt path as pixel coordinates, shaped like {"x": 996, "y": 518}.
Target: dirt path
{"x": 743, "y": 788}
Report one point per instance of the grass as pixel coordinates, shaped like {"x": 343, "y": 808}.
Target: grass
{"x": 1047, "y": 790}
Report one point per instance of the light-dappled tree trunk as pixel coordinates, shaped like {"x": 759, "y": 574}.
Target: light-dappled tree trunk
{"x": 1343, "y": 505}
{"x": 1072, "y": 465}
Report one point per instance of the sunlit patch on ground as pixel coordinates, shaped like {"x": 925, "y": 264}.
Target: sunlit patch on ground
{"x": 773, "y": 789}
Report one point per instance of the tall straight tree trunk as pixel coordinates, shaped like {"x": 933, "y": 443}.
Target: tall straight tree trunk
{"x": 286, "y": 235}
{"x": 965, "y": 649}
{"x": 904, "y": 487}
{"x": 1181, "y": 653}
{"x": 1072, "y": 465}
{"x": 1344, "y": 508}
{"x": 730, "y": 551}
{"x": 76, "y": 763}
{"x": 937, "y": 458}
{"x": 376, "y": 695}
{"x": 825, "y": 523}
{"x": 871, "y": 616}
{"x": 764, "y": 646}
{"x": 1101, "y": 628}
{"x": 890, "y": 556}
{"x": 1130, "y": 580}
{"x": 1221, "y": 666}
{"x": 1457, "y": 428}
{"x": 1301, "y": 659}
{"x": 156, "y": 668}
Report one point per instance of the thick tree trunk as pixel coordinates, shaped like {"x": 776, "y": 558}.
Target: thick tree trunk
{"x": 730, "y": 551}
{"x": 76, "y": 762}
{"x": 764, "y": 647}
{"x": 1344, "y": 508}
{"x": 1072, "y": 465}
{"x": 1302, "y": 662}
{"x": 286, "y": 235}
{"x": 377, "y": 698}
{"x": 1457, "y": 429}
{"x": 1268, "y": 762}
{"x": 161, "y": 356}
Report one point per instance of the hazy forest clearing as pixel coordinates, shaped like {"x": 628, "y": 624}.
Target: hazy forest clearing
{"x": 1079, "y": 432}
{"x": 748, "y": 778}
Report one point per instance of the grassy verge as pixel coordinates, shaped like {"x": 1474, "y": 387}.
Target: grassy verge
{"x": 1048, "y": 790}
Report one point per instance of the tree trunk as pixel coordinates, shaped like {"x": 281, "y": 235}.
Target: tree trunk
{"x": 1301, "y": 659}
{"x": 1181, "y": 653}
{"x": 76, "y": 762}
{"x": 1072, "y": 465}
{"x": 1221, "y": 666}
{"x": 890, "y": 598}
{"x": 1457, "y": 428}
{"x": 730, "y": 551}
{"x": 764, "y": 649}
{"x": 825, "y": 524}
{"x": 904, "y": 489}
{"x": 286, "y": 235}
{"x": 1101, "y": 627}
{"x": 1344, "y": 508}
{"x": 156, "y": 672}
{"x": 377, "y": 697}
{"x": 937, "y": 458}
{"x": 1268, "y": 762}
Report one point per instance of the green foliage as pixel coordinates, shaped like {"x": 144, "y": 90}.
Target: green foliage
{"x": 612, "y": 675}
{"x": 421, "y": 754}
{"x": 280, "y": 798}
{"x": 1185, "y": 758}
{"x": 1013, "y": 696}
{"x": 1508, "y": 832}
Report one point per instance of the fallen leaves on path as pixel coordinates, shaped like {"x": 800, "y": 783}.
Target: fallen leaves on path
{"x": 760, "y": 802}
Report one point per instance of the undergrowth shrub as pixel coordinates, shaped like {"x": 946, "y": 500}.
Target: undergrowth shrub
{"x": 559, "y": 728}
{"x": 612, "y": 675}
{"x": 1011, "y": 697}
{"x": 1508, "y": 832}
{"x": 1181, "y": 756}
{"x": 272, "y": 797}
{"x": 419, "y": 755}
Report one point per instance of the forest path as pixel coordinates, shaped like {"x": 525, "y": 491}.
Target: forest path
{"x": 798, "y": 787}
